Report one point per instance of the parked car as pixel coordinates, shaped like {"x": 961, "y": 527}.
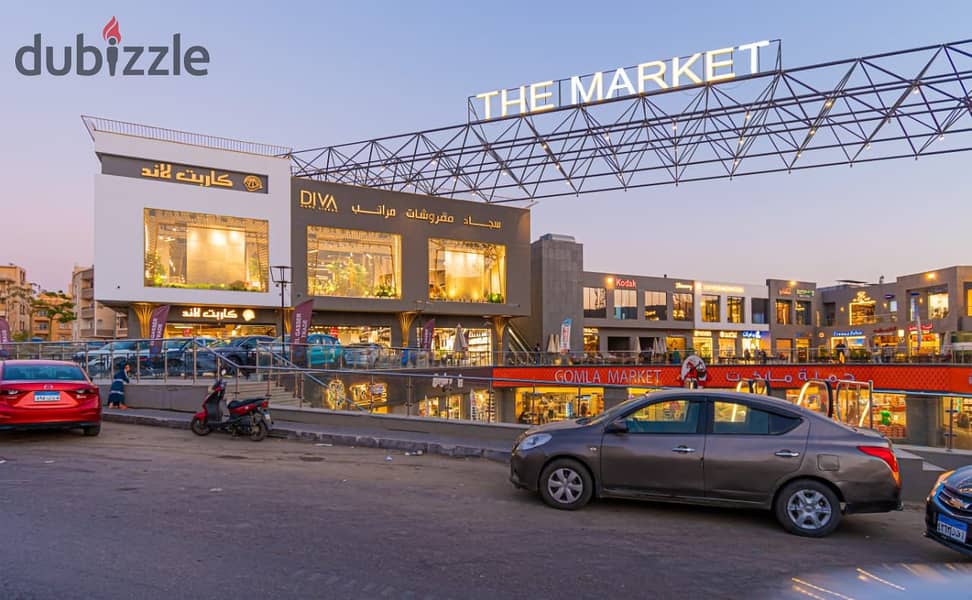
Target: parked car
{"x": 758, "y": 452}
{"x": 322, "y": 350}
{"x": 361, "y": 355}
{"x": 243, "y": 351}
{"x": 948, "y": 510}
{"x": 48, "y": 394}
{"x": 103, "y": 360}
{"x": 177, "y": 356}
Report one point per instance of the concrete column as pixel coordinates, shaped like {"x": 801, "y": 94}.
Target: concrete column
{"x": 614, "y": 396}
{"x": 922, "y": 420}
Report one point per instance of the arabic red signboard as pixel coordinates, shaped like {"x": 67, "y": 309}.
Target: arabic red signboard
{"x": 931, "y": 378}
{"x": 157, "y": 328}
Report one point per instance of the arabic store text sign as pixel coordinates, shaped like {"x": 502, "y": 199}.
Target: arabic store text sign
{"x": 138, "y": 168}
{"x": 212, "y": 313}
{"x": 322, "y": 202}
{"x": 711, "y": 66}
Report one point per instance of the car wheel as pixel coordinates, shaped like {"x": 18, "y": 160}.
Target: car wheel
{"x": 808, "y": 508}
{"x": 566, "y": 484}
{"x": 92, "y": 430}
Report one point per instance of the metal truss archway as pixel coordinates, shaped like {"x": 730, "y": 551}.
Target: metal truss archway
{"x": 904, "y": 104}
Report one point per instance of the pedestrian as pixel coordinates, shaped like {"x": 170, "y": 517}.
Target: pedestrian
{"x": 116, "y": 397}
{"x": 747, "y": 356}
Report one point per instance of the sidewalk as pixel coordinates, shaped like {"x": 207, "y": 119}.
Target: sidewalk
{"x": 405, "y": 441}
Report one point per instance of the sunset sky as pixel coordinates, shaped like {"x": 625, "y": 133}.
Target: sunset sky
{"x": 303, "y": 74}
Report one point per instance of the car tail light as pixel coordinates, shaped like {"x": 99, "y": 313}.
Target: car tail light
{"x": 11, "y": 394}
{"x": 887, "y": 455}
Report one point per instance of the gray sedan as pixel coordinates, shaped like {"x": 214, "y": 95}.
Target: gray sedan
{"x": 713, "y": 448}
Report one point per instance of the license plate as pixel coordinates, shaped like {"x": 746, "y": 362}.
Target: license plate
{"x": 952, "y": 529}
{"x": 47, "y": 396}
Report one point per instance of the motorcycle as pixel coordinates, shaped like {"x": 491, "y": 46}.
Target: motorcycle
{"x": 240, "y": 417}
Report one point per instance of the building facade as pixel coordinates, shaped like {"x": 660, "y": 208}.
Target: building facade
{"x": 202, "y": 228}
{"x": 14, "y": 303}
{"x": 94, "y": 321}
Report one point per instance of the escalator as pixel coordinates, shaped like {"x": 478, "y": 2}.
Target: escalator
{"x": 519, "y": 352}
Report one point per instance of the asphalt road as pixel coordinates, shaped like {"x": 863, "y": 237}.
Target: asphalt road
{"x": 143, "y": 512}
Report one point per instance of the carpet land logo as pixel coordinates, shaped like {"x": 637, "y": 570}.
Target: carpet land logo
{"x": 34, "y": 59}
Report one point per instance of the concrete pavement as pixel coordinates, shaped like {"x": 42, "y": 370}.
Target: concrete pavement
{"x": 158, "y": 513}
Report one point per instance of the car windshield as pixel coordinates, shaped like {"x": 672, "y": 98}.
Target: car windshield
{"x": 120, "y": 346}
{"x": 43, "y": 373}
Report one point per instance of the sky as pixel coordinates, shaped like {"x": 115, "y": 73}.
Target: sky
{"x": 308, "y": 74}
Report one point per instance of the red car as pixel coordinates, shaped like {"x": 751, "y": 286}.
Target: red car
{"x": 42, "y": 394}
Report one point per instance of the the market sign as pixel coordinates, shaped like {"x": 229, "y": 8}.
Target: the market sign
{"x": 710, "y": 66}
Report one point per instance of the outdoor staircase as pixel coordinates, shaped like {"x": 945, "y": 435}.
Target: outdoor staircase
{"x": 279, "y": 395}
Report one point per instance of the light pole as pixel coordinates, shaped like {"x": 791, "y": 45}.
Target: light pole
{"x": 282, "y": 281}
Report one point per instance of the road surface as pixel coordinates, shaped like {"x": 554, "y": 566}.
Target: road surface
{"x": 143, "y": 512}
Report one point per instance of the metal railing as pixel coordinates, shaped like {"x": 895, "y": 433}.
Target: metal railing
{"x": 182, "y": 137}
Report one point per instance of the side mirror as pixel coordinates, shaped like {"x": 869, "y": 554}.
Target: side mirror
{"x": 619, "y": 426}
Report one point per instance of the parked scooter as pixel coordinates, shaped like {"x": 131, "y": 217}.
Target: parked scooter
{"x": 240, "y": 417}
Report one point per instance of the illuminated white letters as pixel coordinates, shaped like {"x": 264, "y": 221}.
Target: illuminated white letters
{"x": 711, "y": 66}
{"x": 577, "y": 89}
{"x": 621, "y": 82}
{"x": 685, "y": 69}
{"x": 535, "y": 98}
{"x": 658, "y": 76}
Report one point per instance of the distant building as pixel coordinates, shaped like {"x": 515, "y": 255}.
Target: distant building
{"x": 45, "y": 325}
{"x": 94, "y": 320}
{"x": 14, "y": 308}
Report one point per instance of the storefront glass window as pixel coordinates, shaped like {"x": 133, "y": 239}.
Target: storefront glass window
{"x": 656, "y": 306}
{"x": 591, "y": 340}
{"x": 759, "y": 306}
{"x": 535, "y": 406}
{"x": 595, "y": 303}
{"x": 710, "y": 308}
{"x": 959, "y": 422}
{"x": 353, "y": 264}
{"x": 802, "y": 313}
{"x": 862, "y": 313}
{"x": 937, "y": 304}
{"x": 968, "y": 302}
{"x": 462, "y": 271}
{"x": 625, "y": 304}
{"x": 830, "y": 313}
{"x": 203, "y": 251}
{"x": 734, "y": 309}
{"x": 888, "y": 415}
{"x": 783, "y": 312}
{"x": 683, "y": 307}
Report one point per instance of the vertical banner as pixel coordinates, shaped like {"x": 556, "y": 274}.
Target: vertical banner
{"x": 428, "y": 332}
{"x": 4, "y": 336}
{"x": 157, "y": 328}
{"x": 916, "y": 311}
{"x": 565, "y": 336}
{"x": 298, "y": 331}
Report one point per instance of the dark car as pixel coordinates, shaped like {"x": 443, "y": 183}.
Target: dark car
{"x": 948, "y": 510}
{"x": 757, "y": 452}
{"x": 243, "y": 351}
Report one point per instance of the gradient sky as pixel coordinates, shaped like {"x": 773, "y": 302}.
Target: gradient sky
{"x": 305, "y": 74}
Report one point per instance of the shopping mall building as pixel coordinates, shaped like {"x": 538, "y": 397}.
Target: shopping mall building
{"x": 197, "y": 223}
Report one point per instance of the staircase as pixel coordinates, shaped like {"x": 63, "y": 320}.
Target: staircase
{"x": 279, "y": 395}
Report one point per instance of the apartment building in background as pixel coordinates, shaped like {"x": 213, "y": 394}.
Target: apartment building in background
{"x": 14, "y": 308}
{"x": 94, "y": 320}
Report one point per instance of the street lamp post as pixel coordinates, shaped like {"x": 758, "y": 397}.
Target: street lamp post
{"x": 281, "y": 281}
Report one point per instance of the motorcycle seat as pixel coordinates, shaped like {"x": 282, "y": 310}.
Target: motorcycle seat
{"x": 239, "y": 403}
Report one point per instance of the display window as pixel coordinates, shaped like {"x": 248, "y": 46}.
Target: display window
{"x": 372, "y": 397}
{"x": 353, "y": 264}
{"x": 683, "y": 307}
{"x": 675, "y": 342}
{"x": 204, "y": 251}
{"x": 482, "y": 406}
{"x": 443, "y": 407}
{"x": 938, "y": 304}
{"x": 463, "y": 271}
{"x": 710, "y": 308}
{"x": 924, "y": 344}
{"x": 889, "y": 415}
{"x": 702, "y": 347}
{"x": 957, "y": 418}
{"x": 592, "y": 340}
{"x": 595, "y": 303}
{"x": 535, "y": 406}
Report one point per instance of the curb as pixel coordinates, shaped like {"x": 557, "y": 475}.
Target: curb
{"x": 301, "y": 434}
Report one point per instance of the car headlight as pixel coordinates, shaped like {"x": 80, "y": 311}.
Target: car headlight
{"x": 535, "y": 440}
{"x": 941, "y": 480}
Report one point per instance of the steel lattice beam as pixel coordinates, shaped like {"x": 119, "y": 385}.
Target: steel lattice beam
{"x": 904, "y": 104}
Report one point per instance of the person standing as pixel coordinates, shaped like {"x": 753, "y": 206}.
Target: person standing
{"x": 116, "y": 396}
